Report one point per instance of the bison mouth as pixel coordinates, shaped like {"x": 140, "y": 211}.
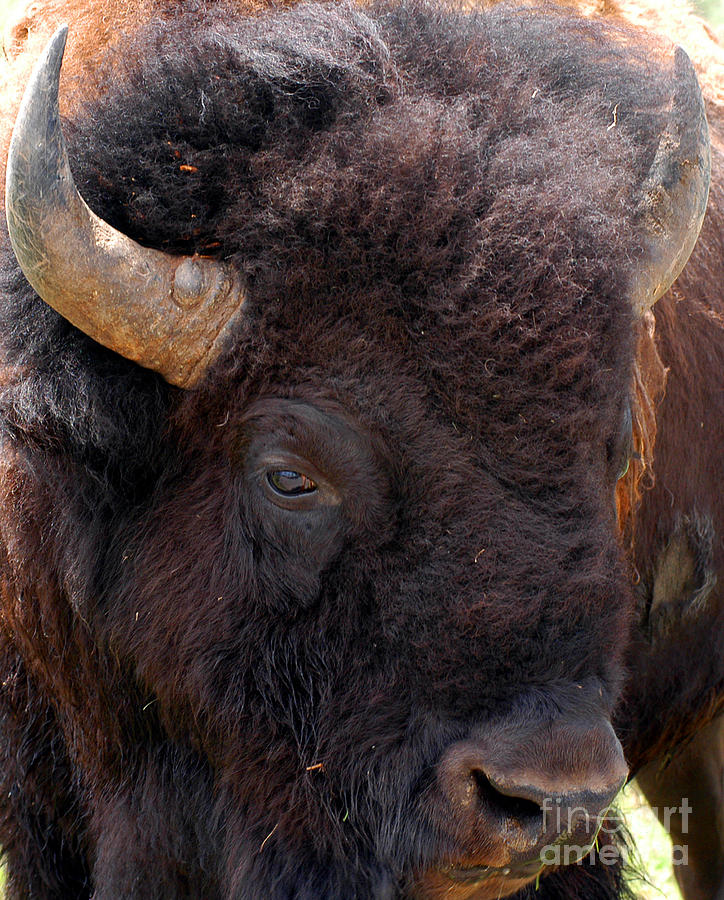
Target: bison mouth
{"x": 465, "y": 881}
{"x": 476, "y": 882}
{"x": 479, "y": 874}
{"x": 462, "y": 881}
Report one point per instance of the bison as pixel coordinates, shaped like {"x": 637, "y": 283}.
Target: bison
{"x": 361, "y": 522}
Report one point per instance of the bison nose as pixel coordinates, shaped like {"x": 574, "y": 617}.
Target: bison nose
{"x": 515, "y": 792}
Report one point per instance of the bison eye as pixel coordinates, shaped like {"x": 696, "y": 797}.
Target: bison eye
{"x": 290, "y": 484}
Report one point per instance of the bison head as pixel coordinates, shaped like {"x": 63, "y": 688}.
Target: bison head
{"x": 361, "y": 584}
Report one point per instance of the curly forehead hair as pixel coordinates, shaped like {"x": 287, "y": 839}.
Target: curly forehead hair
{"x": 410, "y": 163}
{"x": 221, "y": 137}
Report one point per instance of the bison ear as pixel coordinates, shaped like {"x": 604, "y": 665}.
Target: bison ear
{"x": 674, "y": 195}
{"x": 167, "y": 313}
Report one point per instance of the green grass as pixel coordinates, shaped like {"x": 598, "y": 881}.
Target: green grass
{"x": 653, "y": 848}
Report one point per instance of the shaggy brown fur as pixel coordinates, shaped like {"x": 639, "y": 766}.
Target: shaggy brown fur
{"x": 203, "y": 698}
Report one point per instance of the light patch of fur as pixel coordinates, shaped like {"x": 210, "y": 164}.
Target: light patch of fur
{"x": 649, "y": 385}
{"x": 684, "y": 576}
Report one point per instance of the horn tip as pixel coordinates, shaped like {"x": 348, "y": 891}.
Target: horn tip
{"x": 36, "y": 154}
{"x": 55, "y": 48}
{"x": 41, "y": 93}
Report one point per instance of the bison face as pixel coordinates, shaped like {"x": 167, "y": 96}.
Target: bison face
{"x": 371, "y": 582}
{"x": 405, "y": 656}
{"x": 375, "y": 638}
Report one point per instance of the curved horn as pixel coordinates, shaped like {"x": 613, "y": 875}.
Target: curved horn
{"x": 675, "y": 192}
{"x": 167, "y": 313}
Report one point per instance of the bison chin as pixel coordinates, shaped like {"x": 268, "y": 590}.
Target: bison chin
{"x": 498, "y": 883}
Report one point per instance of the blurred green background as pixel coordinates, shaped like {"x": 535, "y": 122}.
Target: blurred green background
{"x": 651, "y": 841}
{"x": 712, "y": 10}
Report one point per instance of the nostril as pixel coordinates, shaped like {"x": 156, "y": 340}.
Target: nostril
{"x": 514, "y": 806}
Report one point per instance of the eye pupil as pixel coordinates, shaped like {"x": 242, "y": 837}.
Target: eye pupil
{"x": 290, "y": 483}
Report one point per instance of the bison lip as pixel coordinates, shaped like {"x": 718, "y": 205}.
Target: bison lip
{"x": 524, "y": 870}
{"x": 476, "y": 874}
{"x": 481, "y": 882}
